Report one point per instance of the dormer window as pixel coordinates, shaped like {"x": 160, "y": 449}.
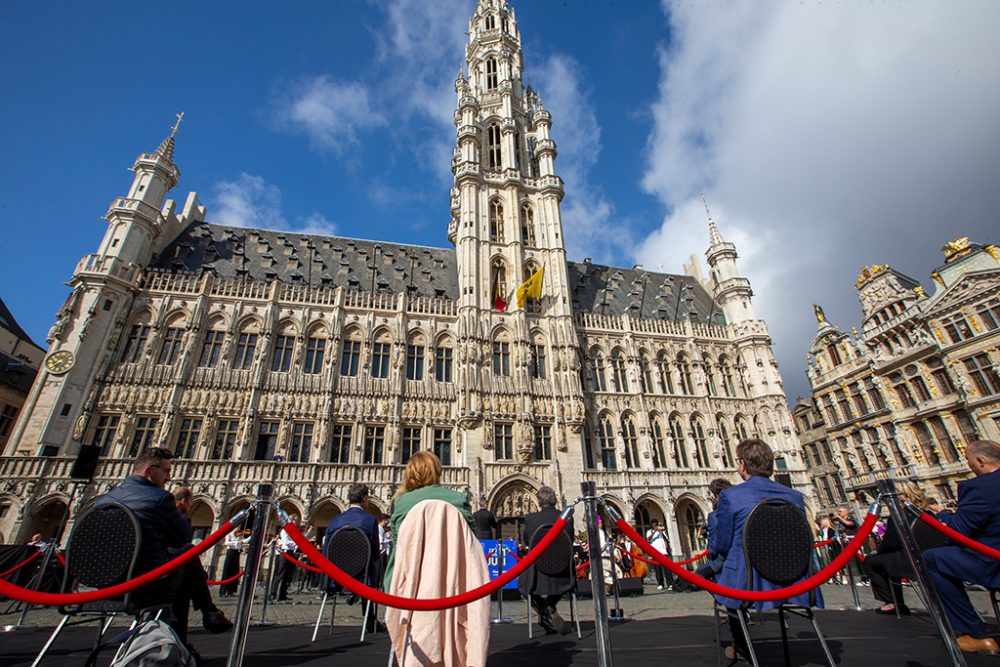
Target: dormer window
{"x": 491, "y": 73}
{"x": 493, "y": 146}
{"x": 491, "y": 22}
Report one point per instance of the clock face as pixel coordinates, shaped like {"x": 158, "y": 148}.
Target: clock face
{"x": 59, "y": 362}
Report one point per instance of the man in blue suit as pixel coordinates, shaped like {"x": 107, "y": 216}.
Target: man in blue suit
{"x": 755, "y": 464}
{"x": 357, "y": 515}
{"x": 978, "y": 517}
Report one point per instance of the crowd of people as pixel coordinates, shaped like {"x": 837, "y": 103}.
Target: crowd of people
{"x": 397, "y": 564}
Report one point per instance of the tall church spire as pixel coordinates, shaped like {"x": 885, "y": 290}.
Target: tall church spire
{"x": 732, "y": 291}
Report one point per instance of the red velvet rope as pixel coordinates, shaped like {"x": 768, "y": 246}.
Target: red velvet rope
{"x": 822, "y": 544}
{"x": 513, "y": 555}
{"x": 304, "y": 566}
{"x": 54, "y": 599}
{"x": 582, "y": 566}
{"x": 801, "y": 587}
{"x": 61, "y": 559}
{"x": 21, "y": 564}
{"x": 225, "y": 581}
{"x": 956, "y": 536}
{"x": 378, "y": 597}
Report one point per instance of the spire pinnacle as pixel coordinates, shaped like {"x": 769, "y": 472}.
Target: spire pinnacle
{"x": 714, "y": 236}
{"x": 166, "y": 149}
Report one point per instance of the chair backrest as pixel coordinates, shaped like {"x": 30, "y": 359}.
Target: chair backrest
{"x": 926, "y": 537}
{"x": 558, "y": 558}
{"x": 350, "y": 550}
{"x": 103, "y": 546}
{"x": 777, "y": 542}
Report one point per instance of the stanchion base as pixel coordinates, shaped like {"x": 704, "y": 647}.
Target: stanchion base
{"x": 617, "y": 616}
{"x": 501, "y": 620}
{"x": 10, "y": 628}
{"x": 262, "y": 624}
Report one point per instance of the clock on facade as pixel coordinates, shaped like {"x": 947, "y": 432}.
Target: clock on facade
{"x": 59, "y": 362}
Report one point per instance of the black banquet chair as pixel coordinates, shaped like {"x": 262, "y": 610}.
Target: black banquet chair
{"x": 102, "y": 551}
{"x": 555, "y": 561}
{"x": 349, "y": 549}
{"x": 778, "y": 545}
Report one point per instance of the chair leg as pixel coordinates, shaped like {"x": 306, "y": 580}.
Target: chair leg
{"x": 333, "y": 611}
{"x": 576, "y": 616}
{"x": 784, "y": 636}
{"x": 319, "y": 616}
{"x": 822, "y": 639}
{"x": 52, "y": 638}
{"x": 531, "y": 632}
{"x": 895, "y": 600}
{"x": 996, "y": 607}
{"x": 718, "y": 633}
{"x": 364, "y": 618}
{"x": 746, "y": 633}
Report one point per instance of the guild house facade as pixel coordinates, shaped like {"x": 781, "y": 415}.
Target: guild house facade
{"x": 312, "y": 361}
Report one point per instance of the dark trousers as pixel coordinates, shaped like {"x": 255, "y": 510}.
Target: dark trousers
{"x": 543, "y": 603}
{"x": 230, "y": 567}
{"x": 739, "y": 639}
{"x": 885, "y": 572}
{"x": 949, "y": 567}
{"x": 191, "y": 590}
{"x": 284, "y": 570}
{"x": 662, "y": 578}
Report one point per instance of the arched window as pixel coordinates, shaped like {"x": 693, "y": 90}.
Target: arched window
{"x": 493, "y": 143}
{"x": 631, "y": 442}
{"x": 444, "y": 359}
{"x": 527, "y": 225}
{"x": 834, "y": 353}
{"x": 607, "y": 434}
{"x": 666, "y": 378}
{"x": 539, "y": 366}
{"x": 742, "y": 430}
{"x": 709, "y": 368}
{"x": 647, "y": 373}
{"x": 415, "y": 348}
{"x": 381, "y": 349}
{"x": 490, "y": 22}
{"x": 491, "y": 73}
{"x": 600, "y": 372}
{"x": 619, "y": 375}
{"x": 694, "y": 522}
{"x": 725, "y": 441}
{"x": 700, "y": 447}
{"x": 496, "y": 221}
{"x": 659, "y": 444}
{"x": 680, "y": 446}
{"x": 727, "y": 377}
{"x": 501, "y": 354}
{"x": 684, "y": 369}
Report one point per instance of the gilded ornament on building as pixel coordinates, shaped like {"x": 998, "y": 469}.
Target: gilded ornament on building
{"x": 920, "y": 292}
{"x": 937, "y": 278}
{"x": 994, "y": 252}
{"x": 956, "y": 249}
{"x": 820, "y": 316}
{"x": 870, "y": 272}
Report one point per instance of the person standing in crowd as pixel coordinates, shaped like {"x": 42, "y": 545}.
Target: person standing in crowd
{"x": 235, "y": 541}
{"x": 710, "y": 569}
{"x": 978, "y": 517}
{"x": 486, "y": 522}
{"x": 546, "y": 590}
{"x": 164, "y": 532}
{"x": 657, "y": 538}
{"x": 755, "y": 464}
{"x": 284, "y": 569}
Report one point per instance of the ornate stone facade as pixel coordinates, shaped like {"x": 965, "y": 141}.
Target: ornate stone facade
{"x": 316, "y": 361}
{"x": 919, "y": 381}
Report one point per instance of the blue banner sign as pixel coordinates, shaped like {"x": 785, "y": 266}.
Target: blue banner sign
{"x": 494, "y": 553}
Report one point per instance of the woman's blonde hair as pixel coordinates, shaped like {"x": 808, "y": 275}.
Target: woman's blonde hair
{"x": 912, "y": 493}
{"x": 423, "y": 469}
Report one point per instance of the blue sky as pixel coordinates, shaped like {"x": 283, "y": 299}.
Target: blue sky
{"x": 825, "y": 137}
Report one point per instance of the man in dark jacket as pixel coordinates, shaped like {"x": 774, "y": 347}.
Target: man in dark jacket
{"x": 357, "y": 516}
{"x": 164, "y": 533}
{"x": 978, "y": 517}
{"x": 486, "y": 522}
{"x": 546, "y": 590}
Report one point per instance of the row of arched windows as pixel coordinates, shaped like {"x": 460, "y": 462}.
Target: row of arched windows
{"x": 675, "y": 443}
{"x": 498, "y": 225}
{"x": 719, "y": 375}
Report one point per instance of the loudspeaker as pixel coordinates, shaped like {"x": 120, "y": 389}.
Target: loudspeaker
{"x": 86, "y": 462}
{"x": 584, "y": 589}
{"x": 630, "y": 586}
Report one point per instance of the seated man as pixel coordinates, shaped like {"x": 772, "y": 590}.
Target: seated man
{"x": 546, "y": 590}
{"x": 978, "y": 517}
{"x": 164, "y": 533}
{"x": 710, "y": 569}
{"x": 357, "y": 515}
{"x": 755, "y": 464}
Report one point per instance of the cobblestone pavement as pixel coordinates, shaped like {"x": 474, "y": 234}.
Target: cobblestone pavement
{"x": 304, "y": 606}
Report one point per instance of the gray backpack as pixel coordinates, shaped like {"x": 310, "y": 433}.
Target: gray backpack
{"x": 153, "y": 644}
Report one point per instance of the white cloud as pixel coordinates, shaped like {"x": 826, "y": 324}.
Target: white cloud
{"x": 586, "y": 211}
{"x": 330, "y": 113}
{"x": 250, "y": 201}
{"x": 826, "y": 137}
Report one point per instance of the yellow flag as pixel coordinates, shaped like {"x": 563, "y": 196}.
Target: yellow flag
{"x": 530, "y": 288}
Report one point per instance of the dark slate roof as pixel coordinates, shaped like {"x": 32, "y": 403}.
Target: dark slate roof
{"x": 16, "y": 373}
{"x": 266, "y": 255}
{"x": 8, "y": 322}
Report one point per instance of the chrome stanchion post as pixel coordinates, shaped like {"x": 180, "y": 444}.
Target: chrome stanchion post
{"x": 850, "y": 574}
{"x": 500, "y": 618}
{"x": 250, "y": 573}
{"x": 887, "y": 490}
{"x": 269, "y": 582}
{"x": 597, "y": 574}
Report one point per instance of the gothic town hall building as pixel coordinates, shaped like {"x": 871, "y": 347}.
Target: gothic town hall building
{"x": 313, "y": 361}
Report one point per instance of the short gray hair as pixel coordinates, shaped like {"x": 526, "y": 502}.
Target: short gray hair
{"x": 988, "y": 449}
{"x": 546, "y": 496}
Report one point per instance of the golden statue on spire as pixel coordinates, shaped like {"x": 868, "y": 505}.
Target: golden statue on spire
{"x": 820, "y": 315}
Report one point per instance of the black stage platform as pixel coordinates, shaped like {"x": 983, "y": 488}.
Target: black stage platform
{"x": 854, "y": 638}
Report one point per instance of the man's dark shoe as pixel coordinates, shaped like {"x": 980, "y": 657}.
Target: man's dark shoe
{"x": 216, "y": 622}
{"x": 353, "y": 599}
{"x": 558, "y": 622}
{"x": 548, "y": 624}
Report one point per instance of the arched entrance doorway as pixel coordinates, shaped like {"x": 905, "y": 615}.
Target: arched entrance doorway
{"x": 322, "y": 512}
{"x": 690, "y": 524}
{"x": 202, "y": 517}
{"x": 510, "y": 505}
{"x": 47, "y": 518}
{"x": 645, "y": 512}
